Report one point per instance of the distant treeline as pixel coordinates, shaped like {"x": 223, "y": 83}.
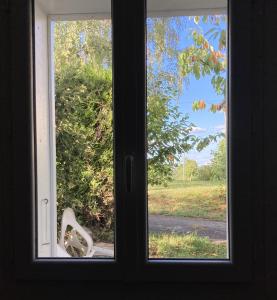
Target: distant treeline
{"x": 216, "y": 170}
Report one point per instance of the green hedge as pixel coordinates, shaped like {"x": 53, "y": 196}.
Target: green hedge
{"x": 84, "y": 143}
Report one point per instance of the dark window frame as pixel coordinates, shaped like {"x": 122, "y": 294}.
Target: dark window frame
{"x": 129, "y": 116}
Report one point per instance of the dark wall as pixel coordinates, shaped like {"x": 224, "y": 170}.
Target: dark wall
{"x": 270, "y": 145}
{"x": 6, "y": 135}
{"x": 264, "y": 86}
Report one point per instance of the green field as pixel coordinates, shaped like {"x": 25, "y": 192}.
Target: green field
{"x": 185, "y": 246}
{"x": 196, "y": 199}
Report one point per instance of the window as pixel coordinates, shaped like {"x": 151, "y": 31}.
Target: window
{"x": 131, "y": 260}
{"x": 74, "y": 134}
{"x": 187, "y": 109}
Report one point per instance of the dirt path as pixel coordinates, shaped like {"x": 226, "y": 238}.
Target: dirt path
{"x": 215, "y": 230}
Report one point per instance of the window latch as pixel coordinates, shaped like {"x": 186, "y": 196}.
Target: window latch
{"x": 129, "y": 161}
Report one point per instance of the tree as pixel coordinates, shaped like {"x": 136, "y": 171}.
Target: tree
{"x": 191, "y": 169}
{"x": 164, "y": 81}
{"x": 219, "y": 162}
{"x": 207, "y": 56}
{"x": 83, "y": 42}
{"x": 169, "y": 132}
{"x": 84, "y": 114}
{"x": 205, "y": 172}
{"x": 168, "y": 136}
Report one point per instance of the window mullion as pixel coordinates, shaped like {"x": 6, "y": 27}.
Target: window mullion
{"x": 129, "y": 124}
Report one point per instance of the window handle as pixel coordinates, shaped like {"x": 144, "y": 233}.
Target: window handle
{"x": 129, "y": 160}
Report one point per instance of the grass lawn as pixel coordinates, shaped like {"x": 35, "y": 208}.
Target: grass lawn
{"x": 197, "y": 199}
{"x": 185, "y": 246}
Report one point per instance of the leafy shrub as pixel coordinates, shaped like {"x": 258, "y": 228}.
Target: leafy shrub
{"x": 84, "y": 142}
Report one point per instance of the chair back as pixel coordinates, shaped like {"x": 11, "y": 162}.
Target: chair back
{"x": 69, "y": 219}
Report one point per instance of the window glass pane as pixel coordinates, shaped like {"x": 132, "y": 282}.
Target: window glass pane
{"x": 187, "y": 134}
{"x": 75, "y": 203}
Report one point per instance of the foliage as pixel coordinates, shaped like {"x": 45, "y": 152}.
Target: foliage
{"x": 169, "y": 64}
{"x": 216, "y": 170}
{"x": 84, "y": 144}
{"x": 169, "y": 132}
{"x": 191, "y": 169}
{"x": 170, "y": 245}
{"x": 205, "y": 172}
{"x": 179, "y": 172}
{"x": 83, "y": 60}
{"x": 83, "y": 42}
{"x": 219, "y": 162}
{"x": 205, "y": 58}
{"x": 168, "y": 136}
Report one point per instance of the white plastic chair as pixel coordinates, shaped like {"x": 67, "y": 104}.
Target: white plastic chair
{"x": 69, "y": 219}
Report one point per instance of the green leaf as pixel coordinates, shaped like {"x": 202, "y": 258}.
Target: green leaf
{"x": 196, "y": 19}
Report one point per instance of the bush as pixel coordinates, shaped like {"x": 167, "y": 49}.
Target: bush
{"x": 84, "y": 146}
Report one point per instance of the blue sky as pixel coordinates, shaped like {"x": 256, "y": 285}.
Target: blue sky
{"x": 206, "y": 122}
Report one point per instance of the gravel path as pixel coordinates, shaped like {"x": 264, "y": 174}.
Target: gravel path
{"x": 215, "y": 230}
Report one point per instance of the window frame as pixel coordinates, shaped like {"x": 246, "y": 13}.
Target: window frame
{"x": 240, "y": 143}
{"x": 129, "y": 67}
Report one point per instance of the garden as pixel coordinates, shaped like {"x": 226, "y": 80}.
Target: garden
{"x": 180, "y": 50}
